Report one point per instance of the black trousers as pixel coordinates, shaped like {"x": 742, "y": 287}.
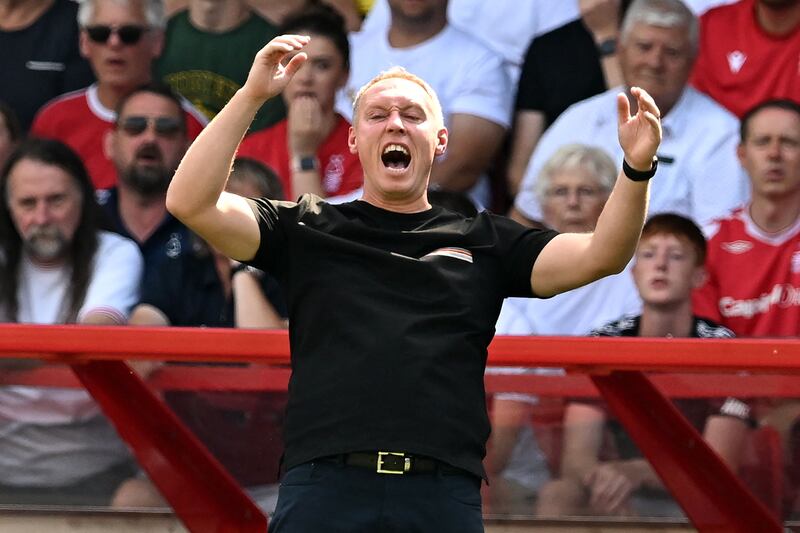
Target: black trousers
{"x": 325, "y": 497}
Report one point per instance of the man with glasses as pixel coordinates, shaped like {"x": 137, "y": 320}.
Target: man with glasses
{"x": 180, "y": 285}
{"x": 121, "y": 39}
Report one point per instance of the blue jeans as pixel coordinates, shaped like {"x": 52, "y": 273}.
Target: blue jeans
{"x": 325, "y": 497}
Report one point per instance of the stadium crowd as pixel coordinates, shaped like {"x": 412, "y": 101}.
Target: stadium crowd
{"x": 100, "y": 99}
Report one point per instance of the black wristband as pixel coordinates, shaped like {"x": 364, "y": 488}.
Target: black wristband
{"x": 639, "y": 175}
{"x": 243, "y": 267}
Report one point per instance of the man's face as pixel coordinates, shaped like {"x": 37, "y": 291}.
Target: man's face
{"x": 45, "y": 205}
{"x": 320, "y": 76}
{"x": 413, "y": 10}
{"x": 116, "y": 62}
{"x": 665, "y": 270}
{"x": 396, "y": 134}
{"x": 573, "y": 201}
{"x": 771, "y": 153}
{"x": 659, "y": 60}
{"x": 147, "y": 143}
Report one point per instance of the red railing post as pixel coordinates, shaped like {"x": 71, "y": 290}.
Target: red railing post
{"x": 713, "y": 497}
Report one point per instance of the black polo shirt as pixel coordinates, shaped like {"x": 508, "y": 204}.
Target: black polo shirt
{"x": 390, "y": 316}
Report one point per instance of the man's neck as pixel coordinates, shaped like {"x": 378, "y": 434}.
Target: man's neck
{"x": 405, "y": 33}
{"x": 400, "y": 205}
{"x": 778, "y": 20}
{"x": 49, "y": 264}
{"x": 110, "y": 95}
{"x": 141, "y": 215}
{"x": 218, "y": 17}
{"x": 773, "y": 215}
{"x": 19, "y": 14}
{"x": 672, "y": 321}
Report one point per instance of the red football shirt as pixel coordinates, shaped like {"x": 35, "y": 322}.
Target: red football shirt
{"x": 753, "y": 284}
{"x": 79, "y": 120}
{"x": 739, "y": 65}
{"x": 341, "y": 170}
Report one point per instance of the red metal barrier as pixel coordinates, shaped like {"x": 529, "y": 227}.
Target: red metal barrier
{"x": 119, "y": 391}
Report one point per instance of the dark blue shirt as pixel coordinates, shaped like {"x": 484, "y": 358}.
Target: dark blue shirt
{"x": 180, "y": 276}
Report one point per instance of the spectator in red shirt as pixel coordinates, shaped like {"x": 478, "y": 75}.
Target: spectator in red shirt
{"x": 309, "y": 149}
{"x": 748, "y": 53}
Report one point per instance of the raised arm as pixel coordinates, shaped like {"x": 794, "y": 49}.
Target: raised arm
{"x": 571, "y": 260}
{"x": 196, "y": 195}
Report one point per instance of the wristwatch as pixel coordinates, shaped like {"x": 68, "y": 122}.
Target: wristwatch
{"x": 305, "y": 163}
{"x": 608, "y": 47}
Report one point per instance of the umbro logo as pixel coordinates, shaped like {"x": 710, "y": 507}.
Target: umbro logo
{"x": 737, "y": 247}
{"x": 736, "y": 60}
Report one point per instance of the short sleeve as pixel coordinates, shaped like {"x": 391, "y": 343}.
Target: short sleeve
{"x": 114, "y": 288}
{"x": 519, "y": 246}
{"x": 271, "y": 216}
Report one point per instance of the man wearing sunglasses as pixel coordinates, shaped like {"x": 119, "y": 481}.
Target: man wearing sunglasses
{"x": 180, "y": 284}
{"x": 121, "y": 40}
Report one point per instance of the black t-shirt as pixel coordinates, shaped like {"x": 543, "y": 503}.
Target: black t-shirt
{"x": 561, "y": 67}
{"x": 42, "y": 61}
{"x": 390, "y": 316}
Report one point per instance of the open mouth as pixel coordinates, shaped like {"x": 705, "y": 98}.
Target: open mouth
{"x": 396, "y": 157}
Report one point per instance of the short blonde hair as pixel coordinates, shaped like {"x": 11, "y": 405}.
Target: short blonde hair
{"x": 403, "y": 74}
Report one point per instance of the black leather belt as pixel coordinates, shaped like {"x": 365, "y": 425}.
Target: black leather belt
{"x": 395, "y": 463}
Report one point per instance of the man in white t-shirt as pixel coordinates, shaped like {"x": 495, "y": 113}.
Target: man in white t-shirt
{"x": 698, "y": 173}
{"x": 469, "y": 79}
{"x": 58, "y": 267}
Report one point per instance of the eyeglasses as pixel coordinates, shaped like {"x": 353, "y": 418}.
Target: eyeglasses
{"x": 583, "y": 193}
{"x": 128, "y": 33}
{"x": 164, "y": 126}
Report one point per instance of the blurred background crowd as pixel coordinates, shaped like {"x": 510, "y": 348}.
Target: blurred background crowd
{"x": 99, "y": 99}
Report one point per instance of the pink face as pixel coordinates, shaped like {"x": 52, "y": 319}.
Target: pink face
{"x": 659, "y": 60}
{"x": 666, "y": 270}
{"x": 45, "y": 205}
{"x": 321, "y": 75}
{"x": 115, "y": 62}
{"x": 573, "y": 201}
{"x": 148, "y": 152}
{"x": 771, "y": 153}
{"x": 396, "y": 134}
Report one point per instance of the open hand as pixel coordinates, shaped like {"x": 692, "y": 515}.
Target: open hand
{"x": 640, "y": 134}
{"x": 269, "y": 75}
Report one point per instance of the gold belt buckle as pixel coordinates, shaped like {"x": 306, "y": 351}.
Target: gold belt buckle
{"x": 406, "y": 463}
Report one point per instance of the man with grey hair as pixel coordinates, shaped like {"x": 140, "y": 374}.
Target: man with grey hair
{"x": 699, "y": 175}
{"x": 121, "y": 39}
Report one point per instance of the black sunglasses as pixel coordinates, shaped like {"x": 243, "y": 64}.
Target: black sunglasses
{"x": 164, "y": 126}
{"x": 128, "y": 34}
